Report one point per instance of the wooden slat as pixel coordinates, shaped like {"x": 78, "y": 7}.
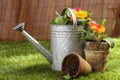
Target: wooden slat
{"x": 37, "y": 15}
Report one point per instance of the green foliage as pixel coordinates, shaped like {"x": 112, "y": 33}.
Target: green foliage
{"x": 102, "y": 22}
{"x": 67, "y": 76}
{"x": 61, "y": 19}
{"x": 110, "y": 41}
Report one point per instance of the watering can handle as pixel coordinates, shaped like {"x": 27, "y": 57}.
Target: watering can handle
{"x": 73, "y": 16}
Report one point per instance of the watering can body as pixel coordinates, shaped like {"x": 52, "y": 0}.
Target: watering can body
{"x": 64, "y": 39}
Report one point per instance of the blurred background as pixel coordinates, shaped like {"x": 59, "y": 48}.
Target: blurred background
{"x": 37, "y": 15}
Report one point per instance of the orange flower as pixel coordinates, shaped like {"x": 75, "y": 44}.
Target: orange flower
{"x": 96, "y": 27}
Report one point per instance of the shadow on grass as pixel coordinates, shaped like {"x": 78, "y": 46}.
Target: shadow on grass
{"x": 35, "y": 72}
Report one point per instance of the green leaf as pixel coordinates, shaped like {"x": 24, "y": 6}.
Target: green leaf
{"x": 59, "y": 20}
{"x": 67, "y": 76}
{"x": 110, "y": 41}
{"x": 102, "y": 22}
{"x": 62, "y": 19}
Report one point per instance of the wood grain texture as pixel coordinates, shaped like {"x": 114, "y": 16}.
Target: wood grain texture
{"x": 37, "y": 15}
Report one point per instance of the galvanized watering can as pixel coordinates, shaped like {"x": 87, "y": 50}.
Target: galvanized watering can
{"x": 64, "y": 39}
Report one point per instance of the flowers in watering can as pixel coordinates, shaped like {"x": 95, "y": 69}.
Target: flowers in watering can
{"x": 82, "y": 16}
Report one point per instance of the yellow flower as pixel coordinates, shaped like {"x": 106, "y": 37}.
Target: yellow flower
{"x": 80, "y": 14}
{"x": 89, "y": 19}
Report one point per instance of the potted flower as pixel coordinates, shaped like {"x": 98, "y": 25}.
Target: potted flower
{"x": 97, "y": 44}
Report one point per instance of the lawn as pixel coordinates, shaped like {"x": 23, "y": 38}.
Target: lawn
{"x": 21, "y": 61}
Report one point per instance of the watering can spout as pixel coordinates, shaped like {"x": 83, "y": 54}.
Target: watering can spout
{"x": 44, "y": 52}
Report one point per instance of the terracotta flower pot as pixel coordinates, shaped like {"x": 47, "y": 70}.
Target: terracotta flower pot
{"x": 96, "y": 46}
{"x": 75, "y": 65}
{"x": 96, "y": 54}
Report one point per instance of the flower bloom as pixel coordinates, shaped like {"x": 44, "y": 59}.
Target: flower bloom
{"x": 96, "y": 27}
{"x": 89, "y": 19}
{"x": 77, "y": 9}
{"x": 80, "y": 14}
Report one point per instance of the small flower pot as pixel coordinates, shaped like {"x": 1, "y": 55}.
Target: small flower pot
{"x": 96, "y": 54}
{"x": 75, "y": 65}
{"x": 96, "y": 46}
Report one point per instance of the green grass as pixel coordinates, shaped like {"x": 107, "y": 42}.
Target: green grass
{"x": 21, "y": 61}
